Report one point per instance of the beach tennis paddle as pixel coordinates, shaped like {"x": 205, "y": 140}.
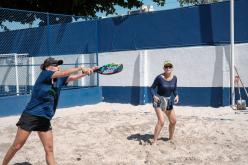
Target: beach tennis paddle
{"x": 109, "y": 69}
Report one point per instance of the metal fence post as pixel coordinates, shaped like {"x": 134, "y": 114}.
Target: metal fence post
{"x": 82, "y": 79}
{"x": 97, "y": 49}
{"x": 17, "y": 75}
{"x": 32, "y": 72}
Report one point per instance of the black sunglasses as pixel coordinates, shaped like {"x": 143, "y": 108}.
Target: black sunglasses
{"x": 168, "y": 66}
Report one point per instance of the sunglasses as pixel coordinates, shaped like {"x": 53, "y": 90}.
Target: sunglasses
{"x": 169, "y": 66}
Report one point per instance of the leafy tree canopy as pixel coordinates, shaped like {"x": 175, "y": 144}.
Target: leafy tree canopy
{"x": 87, "y": 8}
{"x": 84, "y": 7}
{"x": 74, "y": 7}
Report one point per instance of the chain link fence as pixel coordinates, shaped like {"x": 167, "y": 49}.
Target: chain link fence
{"x": 12, "y": 19}
{"x": 18, "y": 71}
{"x": 11, "y": 65}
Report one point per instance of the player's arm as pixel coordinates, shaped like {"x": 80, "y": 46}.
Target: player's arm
{"x": 80, "y": 75}
{"x": 176, "y": 99}
{"x": 153, "y": 87}
{"x": 75, "y": 77}
{"x": 70, "y": 71}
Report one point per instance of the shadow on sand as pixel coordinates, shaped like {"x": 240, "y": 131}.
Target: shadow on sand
{"x": 23, "y": 163}
{"x": 146, "y": 138}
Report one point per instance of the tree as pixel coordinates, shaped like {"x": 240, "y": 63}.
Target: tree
{"x": 87, "y": 8}
{"x": 74, "y": 7}
{"x": 84, "y": 7}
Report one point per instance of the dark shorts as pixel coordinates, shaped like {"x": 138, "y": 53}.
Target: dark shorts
{"x": 34, "y": 123}
{"x": 160, "y": 104}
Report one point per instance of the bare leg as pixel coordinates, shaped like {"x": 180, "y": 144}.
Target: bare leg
{"x": 47, "y": 141}
{"x": 159, "y": 124}
{"x": 20, "y": 139}
{"x": 172, "y": 119}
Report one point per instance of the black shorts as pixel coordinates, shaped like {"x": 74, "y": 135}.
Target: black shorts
{"x": 34, "y": 123}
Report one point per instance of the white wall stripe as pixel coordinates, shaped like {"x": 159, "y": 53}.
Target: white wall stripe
{"x": 200, "y": 66}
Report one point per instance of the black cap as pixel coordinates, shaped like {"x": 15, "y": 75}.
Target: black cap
{"x": 50, "y": 61}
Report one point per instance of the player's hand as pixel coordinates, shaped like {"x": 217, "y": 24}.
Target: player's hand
{"x": 156, "y": 99}
{"x": 87, "y": 71}
{"x": 95, "y": 68}
{"x": 176, "y": 100}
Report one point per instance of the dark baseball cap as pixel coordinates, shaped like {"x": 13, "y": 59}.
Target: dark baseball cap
{"x": 49, "y": 62}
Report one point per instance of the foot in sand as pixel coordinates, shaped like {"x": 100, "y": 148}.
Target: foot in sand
{"x": 154, "y": 143}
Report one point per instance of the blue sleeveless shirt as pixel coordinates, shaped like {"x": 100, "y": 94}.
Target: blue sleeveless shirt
{"x": 45, "y": 95}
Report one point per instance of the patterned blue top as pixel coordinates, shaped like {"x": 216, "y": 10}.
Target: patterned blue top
{"x": 164, "y": 88}
{"x": 45, "y": 95}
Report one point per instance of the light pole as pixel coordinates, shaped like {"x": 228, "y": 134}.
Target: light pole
{"x": 232, "y": 50}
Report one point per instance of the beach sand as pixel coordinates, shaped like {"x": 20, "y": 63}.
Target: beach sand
{"x": 119, "y": 134}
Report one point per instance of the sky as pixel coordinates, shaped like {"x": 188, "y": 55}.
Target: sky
{"x": 170, "y": 4}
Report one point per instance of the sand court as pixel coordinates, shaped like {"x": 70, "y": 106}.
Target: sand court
{"x": 121, "y": 134}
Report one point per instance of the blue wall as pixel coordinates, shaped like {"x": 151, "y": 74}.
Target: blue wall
{"x": 199, "y": 25}
{"x": 14, "y": 105}
{"x": 62, "y": 39}
{"x": 196, "y": 96}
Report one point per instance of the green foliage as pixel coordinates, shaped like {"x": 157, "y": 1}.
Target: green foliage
{"x": 74, "y": 7}
{"x": 84, "y": 7}
{"x": 87, "y": 8}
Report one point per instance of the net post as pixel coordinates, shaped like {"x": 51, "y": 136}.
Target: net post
{"x": 82, "y": 62}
